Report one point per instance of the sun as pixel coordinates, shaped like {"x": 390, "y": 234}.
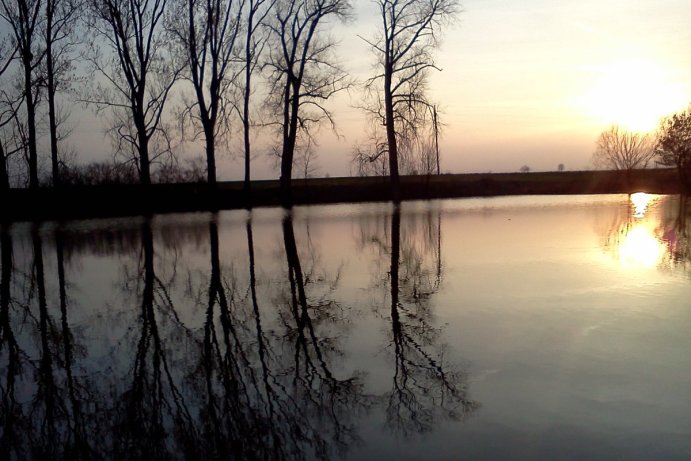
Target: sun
{"x": 634, "y": 94}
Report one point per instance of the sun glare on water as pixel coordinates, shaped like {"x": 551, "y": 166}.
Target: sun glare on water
{"x": 640, "y": 202}
{"x": 634, "y": 94}
{"x": 640, "y": 248}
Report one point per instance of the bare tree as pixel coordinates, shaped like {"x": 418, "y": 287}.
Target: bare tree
{"x": 139, "y": 73}
{"x": 368, "y": 163}
{"x": 12, "y": 134}
{"x": 256, "y": 12}
{"x": 404, "y": 46}
{"x": 306, "y": 160}
{"x": 208, "y": 34}
{"x": 304, "y": 72}
{"x": 619, "y": 149}
{"x": 8, "y": 111}
{"x": 418, "y": 149}
{"x": 59, "y": 27}
{"x": 23, "y": 17}
{"x": 674, "y": 144}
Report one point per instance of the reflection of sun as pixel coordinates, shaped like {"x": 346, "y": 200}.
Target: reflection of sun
{"x": 640, "y": 248}
{"x": 640, "y": 202}
{"x": 634, "y": 94}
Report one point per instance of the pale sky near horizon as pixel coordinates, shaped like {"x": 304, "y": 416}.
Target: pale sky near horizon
{"x": 529, "y": 82}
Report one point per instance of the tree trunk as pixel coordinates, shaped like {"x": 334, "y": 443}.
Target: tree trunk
{"x": 50, "y": 74}
{"x": 210, "y": 155}
{"x": 290, "y": 121}
{"x": 31, "y": 121}
{"x": 391, "y": 135}
{"x": 246, "y": 106}
{"x": 143, "y": 148}
{"x": 52, "y": 122}
{"x": 142, "y": 134}
{"x": 436, "y": 137}
{"x": 144, "y": 164}
{"x": 4, "y": 174}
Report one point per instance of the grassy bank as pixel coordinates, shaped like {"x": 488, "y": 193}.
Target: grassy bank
{"x": 100, "y": 201}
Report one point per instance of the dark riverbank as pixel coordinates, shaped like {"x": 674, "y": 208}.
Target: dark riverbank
{"x": 129, "y": 200}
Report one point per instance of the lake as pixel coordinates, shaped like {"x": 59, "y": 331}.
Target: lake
{"x": 542, "y": 327}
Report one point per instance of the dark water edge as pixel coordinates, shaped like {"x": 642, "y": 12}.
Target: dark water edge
{"x": 132, "y": 200}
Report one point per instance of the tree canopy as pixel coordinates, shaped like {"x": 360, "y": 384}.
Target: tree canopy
{"x": 674, "y": 143}
{"x": 620, "y": 149}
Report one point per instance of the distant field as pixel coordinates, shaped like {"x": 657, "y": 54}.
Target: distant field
{"x": 95, "y": 201}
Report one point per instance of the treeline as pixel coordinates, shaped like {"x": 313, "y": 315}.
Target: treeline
{"x": 231, "y": 63}
{"x": 670, "y": 146}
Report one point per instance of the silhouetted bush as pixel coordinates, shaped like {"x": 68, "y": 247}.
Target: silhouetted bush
{"x": 111, "y": 173}
{"x": 193, "y": 171}
{"x": 102, "y": 173}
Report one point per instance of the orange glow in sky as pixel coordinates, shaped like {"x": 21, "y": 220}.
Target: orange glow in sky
{"x": 530, "y": 83}
{"x": 633, "y": 94}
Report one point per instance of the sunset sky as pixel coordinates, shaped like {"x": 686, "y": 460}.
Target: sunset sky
{"x": 528, "y": 82}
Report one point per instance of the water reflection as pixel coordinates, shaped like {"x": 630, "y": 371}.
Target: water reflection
{"x": 633, "y": 236}
{"x": 640, "y": 202}
{"x": 175, "y": 355}
{"x": 640, "y": 248}
{"x": 323, "y": 333}
{"x": 652, "y": 233}
{"x": 42, "y": 398}
{"x": 676, "y": 236}
{"x": 424, "y": 387}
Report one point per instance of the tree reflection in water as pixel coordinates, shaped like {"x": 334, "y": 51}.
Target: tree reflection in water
{"x": 676, "y": 236}
{"x": 640, "y": 237}
{"x": 13, "y": 420}
{"x": 257, "y": 377}
{"x": 329, "y": 401}
{"x": 153, "y": 406}
{"x": 424, "y": 386}
{"x": 41, "y": 398}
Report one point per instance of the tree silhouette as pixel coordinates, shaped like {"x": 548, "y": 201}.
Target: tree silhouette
{"x": 12, "y": 139}
{"x": 140, "y": 74}
{"x": 674, "y": 144}
{"x": 619, "y": 149}
{"x": 208, "y": 35}
{"x": 23, "y": 18}
{"x": 304, "y": 73}
{"x": 8, "y": 112}
{"x": 404, "y": 46}
{"x": 60, "y": 20}
{"x": 255, "y": 15}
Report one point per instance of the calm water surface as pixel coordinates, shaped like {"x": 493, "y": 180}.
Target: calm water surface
{"x": 509, "y": 328}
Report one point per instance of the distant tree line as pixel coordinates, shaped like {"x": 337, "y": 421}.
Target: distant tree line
{"x": 670, "y": 146}
{"x": 153, "y": 70}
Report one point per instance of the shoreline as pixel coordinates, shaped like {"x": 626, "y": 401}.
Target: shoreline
{"x": 83, "y": 202}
